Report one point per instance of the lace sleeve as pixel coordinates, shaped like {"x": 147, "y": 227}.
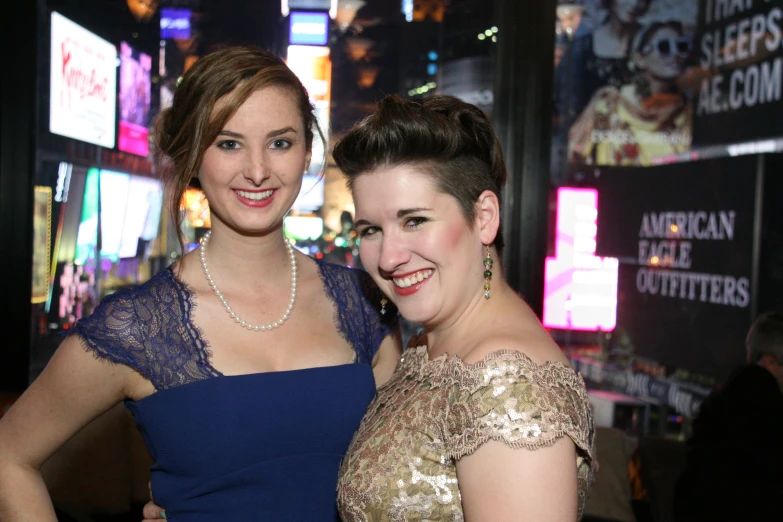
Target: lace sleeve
{"x": 115, "y": 332}
{"x": 358, "y": 302}
{"x": 509, "y": 398}
{"x": 148, "y": 328}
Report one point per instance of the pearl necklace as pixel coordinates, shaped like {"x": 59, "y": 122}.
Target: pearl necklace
{"x": 234, "y": 316}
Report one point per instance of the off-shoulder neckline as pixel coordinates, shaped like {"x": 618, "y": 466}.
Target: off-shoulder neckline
{"x": 447, "y": 358}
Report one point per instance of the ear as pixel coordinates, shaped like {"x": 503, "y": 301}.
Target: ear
{"x": 488, "y": 216}
{"x": 307, "y": 160}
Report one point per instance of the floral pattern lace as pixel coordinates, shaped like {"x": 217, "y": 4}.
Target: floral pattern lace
{"x": 149, "y": 327}
{"x": 401, "y": 465}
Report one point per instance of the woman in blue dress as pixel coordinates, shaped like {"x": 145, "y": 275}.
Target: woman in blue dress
{"x": 247, "y": 365}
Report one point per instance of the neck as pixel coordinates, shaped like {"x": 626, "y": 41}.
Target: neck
{"x": 661, "y": 86}
{"x": 249, "y": 258}
{"x": 453, "y": 336}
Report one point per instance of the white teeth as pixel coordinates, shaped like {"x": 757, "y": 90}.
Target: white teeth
{"x": 418, "y": 277}
{"x": 255, "y": 196}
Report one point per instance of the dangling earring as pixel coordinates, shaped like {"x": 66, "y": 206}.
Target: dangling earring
{"x": 487, "y": 273}
{"x": 384, "y": 302}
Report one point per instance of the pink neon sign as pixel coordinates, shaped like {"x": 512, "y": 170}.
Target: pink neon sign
{"x": 580, "y": 289}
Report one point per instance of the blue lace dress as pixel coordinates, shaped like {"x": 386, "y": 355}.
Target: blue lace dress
{"x": 260, "y": 447}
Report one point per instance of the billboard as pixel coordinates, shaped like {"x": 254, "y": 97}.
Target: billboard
{"x": 641, "y": 82}
{"x": 308, "y": 28}
{"x": 135, "y": 98}
{"x": 684, "y": 235}
{"x": 740, "y": 92}
{"x": 83, "y": 84}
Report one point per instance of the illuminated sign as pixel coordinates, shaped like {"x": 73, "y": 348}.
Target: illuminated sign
{"x": 313, "y": 67}
{"x": 83, "y": 84}
{"x": 135, "y": 99}
{"x": 286, "y": 6}
{"x": 407, "y": 10}
{"x": 174, "y": 23}
{"x": 580, "y": 289}
{"x": 308, "y": 28}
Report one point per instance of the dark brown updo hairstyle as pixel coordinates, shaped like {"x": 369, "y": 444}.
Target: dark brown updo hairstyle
{"x": 184, "y": 131}
{"x": 449, "y": 139}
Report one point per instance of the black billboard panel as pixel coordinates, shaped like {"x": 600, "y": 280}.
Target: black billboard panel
{"x": 740, "y": 52}
{"x": 684, "y": 235}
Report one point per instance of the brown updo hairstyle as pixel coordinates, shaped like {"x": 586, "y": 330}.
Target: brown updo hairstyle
{"x": 449, "y": 139}
{"x": 184, "y": 131}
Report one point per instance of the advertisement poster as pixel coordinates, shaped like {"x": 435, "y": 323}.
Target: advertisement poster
{"x": 83, "y": 84}
{"x": 740, "y": 95}
{"x": 135, "y": 97}
{"x": 684, "y": 237}
{"x": 42, "y": 236}
{"x": 621, "y": 95}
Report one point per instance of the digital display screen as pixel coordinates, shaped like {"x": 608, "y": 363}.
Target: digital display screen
{"x": 82, "y": 84}
{"x": 135, "y": 97}
{"x": 308, "y": 28}
{"x": 174, "y": 23}
{"x": 311, "y": 196}
{"x": 303, "y": 228}
{"x": 142, "y": 214}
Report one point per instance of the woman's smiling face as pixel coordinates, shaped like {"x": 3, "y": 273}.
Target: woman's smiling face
{"x": 252, "y": 172}
{"x": 416, "y": 244}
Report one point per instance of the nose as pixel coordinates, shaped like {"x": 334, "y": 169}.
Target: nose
{"x": 394, "y": 253}
{"x": 257, "y": 168}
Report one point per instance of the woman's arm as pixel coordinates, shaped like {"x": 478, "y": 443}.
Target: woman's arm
{"x": 499, "y": 483}
{"x": 74, "y": 388}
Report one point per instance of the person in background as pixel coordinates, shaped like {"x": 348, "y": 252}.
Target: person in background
{"x": 735, "y": 455}
{"x": 596, "y": 57}
{"x": 247, "y": 365}
{"x": 484, "y": 418}
{"x": 599, "y": 57}
{"x": 646, "y": 118}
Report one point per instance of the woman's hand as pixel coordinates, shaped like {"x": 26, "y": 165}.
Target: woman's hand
{"x": 153, "y": 512}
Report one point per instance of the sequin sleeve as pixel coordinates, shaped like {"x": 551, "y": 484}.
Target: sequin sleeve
{"x": 509, "y": 398}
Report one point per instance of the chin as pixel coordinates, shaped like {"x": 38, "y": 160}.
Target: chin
{"x": 415, "y": 316}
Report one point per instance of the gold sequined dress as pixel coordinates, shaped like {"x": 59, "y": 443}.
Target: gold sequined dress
{"x": 401, "y": 465}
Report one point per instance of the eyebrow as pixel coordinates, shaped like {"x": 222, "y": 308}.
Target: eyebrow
{"x": 278, "y": 132}
{"x": 272, "y": 134}
{"x": 400, "y": 214}
{"x": 230, "y": 134}
{"x": 406, "y": 211}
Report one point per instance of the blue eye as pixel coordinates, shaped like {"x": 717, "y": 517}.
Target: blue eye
{"x": 228, "y": 144}
{"x": 281, "y": 144}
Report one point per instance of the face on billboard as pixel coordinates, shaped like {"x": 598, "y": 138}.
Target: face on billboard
{"x": 664, "y": 56}
{"x": 83, "y": 84}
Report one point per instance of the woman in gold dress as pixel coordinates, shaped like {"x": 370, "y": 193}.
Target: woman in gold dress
{"x": 484, "y": 418}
